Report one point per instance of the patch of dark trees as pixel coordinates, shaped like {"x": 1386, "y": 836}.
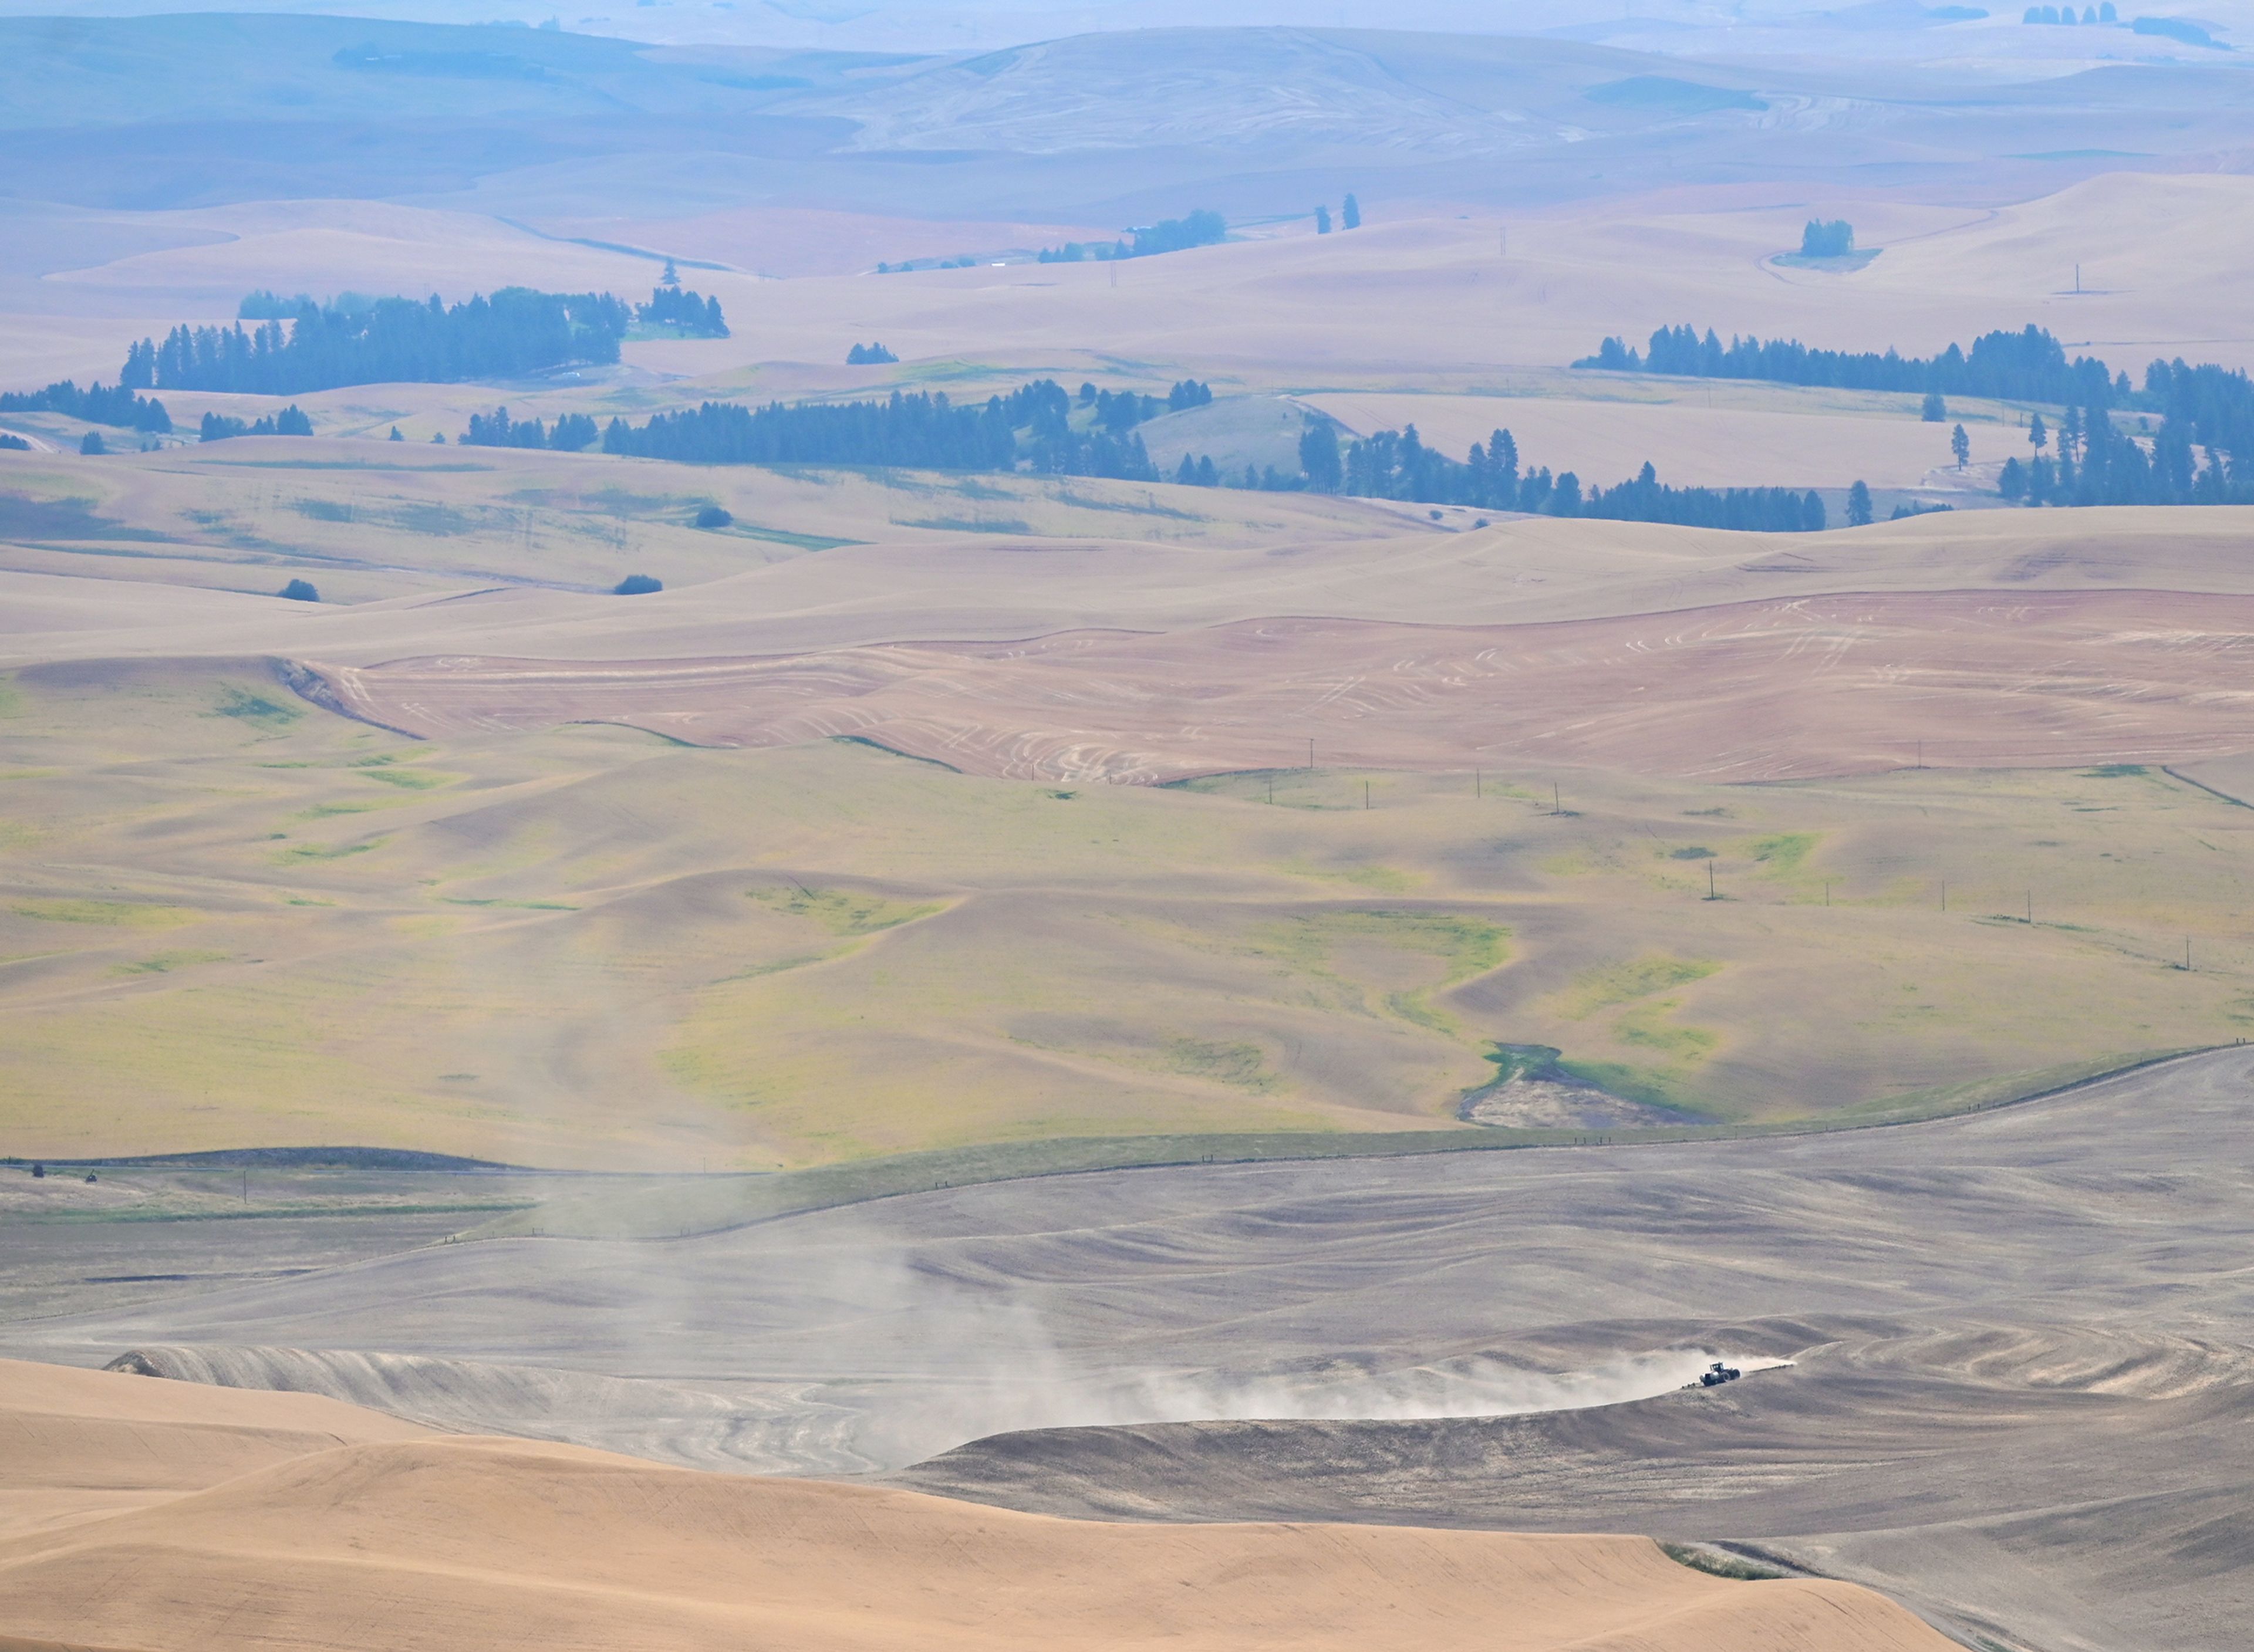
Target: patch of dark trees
{"x": 97, "y": 404}
{"x": 2203, "y": 452}
{"x": 687, "y": 313}
{"x": 291, "y": 421}
{"x": 1200, "y": 229}
{"x": 13, "y": 443}
{"x": 2028, "y": 366}
{"x": 572, "y": 432}
{"x": 1032, "y": 429}
{"x": 514, "y": 333}
{"x": 869, "y": 355}
{"x": 1397, "y": 464}
{"x": 1827, "y": 238}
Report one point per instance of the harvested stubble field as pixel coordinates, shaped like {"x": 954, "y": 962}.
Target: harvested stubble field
{"x": 1777, "y": 690}
{"x": 233, "y": 920}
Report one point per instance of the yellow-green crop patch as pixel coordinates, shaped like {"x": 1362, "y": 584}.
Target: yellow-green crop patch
{"x": 114, "y": 914}
{"x": 794, "y": 956}
{"x": 165, "y": 963}
{"x": 843, "y": 911}
{"x": 298, "y": 853}
{"x": 1616, "y": 983}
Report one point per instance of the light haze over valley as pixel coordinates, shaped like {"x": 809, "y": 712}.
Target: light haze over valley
{"x": 865, "y": 824}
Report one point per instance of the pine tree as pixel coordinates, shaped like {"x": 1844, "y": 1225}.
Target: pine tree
{"x": 1350, "y": 214}
{"x": 1322, "y": 223}
{"x": 1859, "y": 506}
{"x": 2038, "y": 435}
{"x": 1318, "y": 457}
{"x": 671, "y": 277}
{"x": 92, "y": 444}
{"x": 1935, "y": 409}
{"x": 1960, "y": 444}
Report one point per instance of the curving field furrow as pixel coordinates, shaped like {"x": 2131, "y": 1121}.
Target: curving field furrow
{"x": 1775, "y": 690}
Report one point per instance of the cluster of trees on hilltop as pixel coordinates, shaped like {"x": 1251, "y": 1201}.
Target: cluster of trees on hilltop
{"x": 291, "y": 421}
{"x": 2028, "y": 366}
{"x": 921, "y": 431}
{"x": 573, "y": 432}
{"x": 1834, "y": 238}
{"x": 2203, "y": 453}
{"x": 2205, "y": 411}
{"x": 669, "y": 306}
{"x": 514, "y": 332}
{"x": 1398, "y": 465}
{"x": 97, "y": 404}
{"x": 1031, "y": 428}
{"x": 1200, "y": 229}
{"x": 700, "y": 317}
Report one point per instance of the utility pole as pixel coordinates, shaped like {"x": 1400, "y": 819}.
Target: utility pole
{"x": 1311, "y": 752}
{"x": 1945, "y": 894}
{"x": 1365, "y": 794}
{"x": 1555, "y": 808}
{"x": 1710, "y": 895}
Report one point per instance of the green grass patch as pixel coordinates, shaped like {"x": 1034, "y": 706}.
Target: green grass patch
{"x": 413, "y": 779}
{"x": 841, "y": 911}
{"x": 114, "y": 914}
{"x": 1616, "y": 983}
{"x": 325, "y": 811}
{"x": 1784, "y": 853}
{"x": 1719, "y": 1563}
{"x": 250, "y": 706}
{"x": 967, "y": 525}
{"x": 165, "y": 963}
{"x": 1695, "y": 853}
{"x": 1242, "y": 1066}
{"x": 1384, "y": 880}
{"x": 753, "y": 972}
{"x": 796, "y": 541}
{"x": 299, "y": 853}
{"x": 515, "y": 905}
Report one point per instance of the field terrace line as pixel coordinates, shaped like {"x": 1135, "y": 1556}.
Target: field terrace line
{"x": 1790, "y": 689}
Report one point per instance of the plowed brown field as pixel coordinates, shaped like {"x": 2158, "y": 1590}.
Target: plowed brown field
{"x": 1822, "y": 686}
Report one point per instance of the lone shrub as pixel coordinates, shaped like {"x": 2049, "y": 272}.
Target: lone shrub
{"x": 637, "y": 585}
{"x": 713, "y": 516}
{"x": 300, "y": 590}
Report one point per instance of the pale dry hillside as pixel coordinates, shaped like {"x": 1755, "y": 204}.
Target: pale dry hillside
{"x": 385, "y": 1541}
{"x": 233, "y": 920}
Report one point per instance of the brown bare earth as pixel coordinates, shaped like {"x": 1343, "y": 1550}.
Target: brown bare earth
{"x": 398, "y": 1540}
{"x": 1748, "y": 691}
